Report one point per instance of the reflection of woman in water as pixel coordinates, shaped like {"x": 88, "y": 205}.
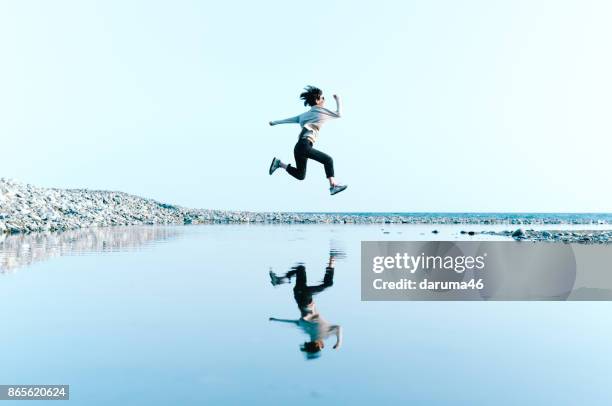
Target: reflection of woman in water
{"x": 310, "y": 321}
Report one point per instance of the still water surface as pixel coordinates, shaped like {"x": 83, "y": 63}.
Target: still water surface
{"x": 181, "y": 315}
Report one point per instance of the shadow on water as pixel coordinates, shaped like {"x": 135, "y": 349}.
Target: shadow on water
{"x": 311, "y": 322}
{"x": 20, "y": 250}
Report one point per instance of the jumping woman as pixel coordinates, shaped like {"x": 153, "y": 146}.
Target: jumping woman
{"x": 311, "y": 122}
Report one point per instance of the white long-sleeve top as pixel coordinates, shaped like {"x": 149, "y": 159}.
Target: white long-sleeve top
{"x": 312, "y": 120}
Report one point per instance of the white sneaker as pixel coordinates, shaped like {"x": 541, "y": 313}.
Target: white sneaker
{"x": 337, "y": 189}
{"x": 274, "y": 165}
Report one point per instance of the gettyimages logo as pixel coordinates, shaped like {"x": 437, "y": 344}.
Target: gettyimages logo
{"x": 484, "y": 270}
{"x": 412, "y": 263}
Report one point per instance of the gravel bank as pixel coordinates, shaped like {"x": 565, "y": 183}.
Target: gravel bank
{"x": 26, "y": 208}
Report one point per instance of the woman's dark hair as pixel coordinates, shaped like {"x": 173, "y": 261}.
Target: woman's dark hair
{"x": 311, "y": 95}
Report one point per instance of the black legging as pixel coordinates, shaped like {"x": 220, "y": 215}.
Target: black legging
{"x": 302, "y": 151}
{"x": 302, "y": 292}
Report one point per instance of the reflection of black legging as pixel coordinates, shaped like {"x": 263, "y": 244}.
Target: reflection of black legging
{"x": 303, "y": 293}
{"x": 302, "y": 151}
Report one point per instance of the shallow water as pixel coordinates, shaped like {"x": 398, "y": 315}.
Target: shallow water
{"x": 180, "y": 315}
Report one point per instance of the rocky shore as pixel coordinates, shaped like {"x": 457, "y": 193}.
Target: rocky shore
{"x": 26, "y": 208}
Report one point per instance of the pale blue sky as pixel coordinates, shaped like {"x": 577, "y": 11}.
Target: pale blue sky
{"x": 448, "y": 106}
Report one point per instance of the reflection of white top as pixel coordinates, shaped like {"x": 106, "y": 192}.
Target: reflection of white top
{"x": 319, "y": 329}
{"x": 316, "y": 327}
{"x": 312, "y": 120}
{"x": 309, "y": 311}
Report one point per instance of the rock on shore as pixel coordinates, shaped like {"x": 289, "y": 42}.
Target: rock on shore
{"x": 25, "y": 208}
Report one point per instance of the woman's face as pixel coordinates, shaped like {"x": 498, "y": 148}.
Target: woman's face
{"x": 321, "y": 101}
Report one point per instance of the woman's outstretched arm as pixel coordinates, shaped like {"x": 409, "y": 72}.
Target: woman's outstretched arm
{"x": 295, "y": 119}
{"x": 338, "y": 332}
{"x": 337, "y": 113}
{"x": 338, "y": 105}
{"x": 284, "y": 320}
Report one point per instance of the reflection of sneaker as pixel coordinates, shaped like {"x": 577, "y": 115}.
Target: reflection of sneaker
{"x": 337, "y": 189}
{"x": 275, "y": 280}
{"x": 274, "y": 165}
{"x": 337, "y": 253}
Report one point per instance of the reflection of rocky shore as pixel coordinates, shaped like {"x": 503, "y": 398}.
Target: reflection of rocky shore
{"x": 19, "y": 250}
{"x": 581, "y": 237}
{"x": 26, "y": 208}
